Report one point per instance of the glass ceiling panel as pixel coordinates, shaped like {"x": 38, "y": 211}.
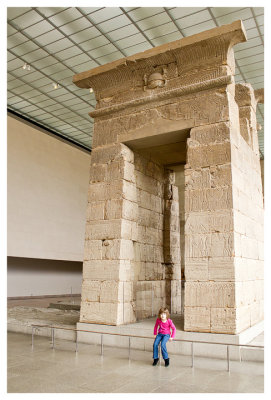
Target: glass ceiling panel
{"x": 13, "y": 12}
{"x": 49, "y": 11}
{"x": 219, "y": 11}
{"x": 75, "y": 26}
{"x": 58, "y": 46}
{"x": 167, "y": 38}
{"x": 161, "y": 30}
{"x": 15, "y": 40}
{"x": 199, "y": 28}
{"x": 114, "y": 23}
{"x": 145, "y": 12}
{"x": 258, "y": 10}
{"x": 88, "y": 10}
{"x": 247, "y": 45}
{"x": 194, "y": 19}
{"x": 138, "y": 48}
{"x": 180, "y": 12}
{"x": 85, "y": 37}
{"x": 49, "y": 37}
{"x": 24, "y": 48}
{"x": 156, "y": 20}
{"x": 121, "y": 33}
{"x": 84, "y": 67}
{"x": 131, "y": 40}
{"x": 38, "y": 29}
{"x": 249, "y": 52}
{"x": 65, "y": 16}
{"x": 105, "y": 14}
{"x": 242, "y": 14}
{"x": 27, "y": 19}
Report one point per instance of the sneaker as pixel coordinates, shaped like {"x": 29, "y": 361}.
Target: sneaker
{"x": 167, "y": 362}
{"x": 155, "y": 361}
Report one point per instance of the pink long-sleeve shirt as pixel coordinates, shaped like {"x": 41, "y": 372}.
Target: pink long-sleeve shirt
{"x": 164, "y": 327}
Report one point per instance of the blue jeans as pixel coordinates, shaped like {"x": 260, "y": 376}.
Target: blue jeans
{"x": 163, "y": 339}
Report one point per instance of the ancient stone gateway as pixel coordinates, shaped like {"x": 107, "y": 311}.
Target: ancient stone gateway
{"x": 175, "y": 106}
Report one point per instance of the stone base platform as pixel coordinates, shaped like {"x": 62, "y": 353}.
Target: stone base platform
{"x": 145, "y": 328}
{"x": 21, "y": 318}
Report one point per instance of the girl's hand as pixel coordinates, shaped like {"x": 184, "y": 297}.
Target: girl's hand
{"x": 170, "y": 339}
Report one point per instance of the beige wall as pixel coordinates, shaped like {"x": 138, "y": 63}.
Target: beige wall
{"x": 47, "y": 195}
{"x": 35, "y": 277}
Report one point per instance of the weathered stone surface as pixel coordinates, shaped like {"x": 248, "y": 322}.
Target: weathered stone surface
{"x": 197, "y": 319}
{"x": 205, "y": 156}
{"x": 139, "y": 230}
{"x": 95, "y": 211}
{"x": 197, "y": 178}
{"x": 209, "y": 245}
{"x": 93, "y": 250}
{"x": 210, "y": 294}
{"x": 211, "y": 134}
{"x": 118, "y": 249}
{"x": 97, "y": 312}
{"x": 208, "y": 199}
{"x": 221, "y": 269}
{"x": 196, "y": 269}
{"x": 109, "y": 270}
{"x": 216, "y": 221}
{"x": 223, "y": 320}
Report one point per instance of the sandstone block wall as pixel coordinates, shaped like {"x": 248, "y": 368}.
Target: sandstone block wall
{"x": 149, "y": 259}
{"x": 133, "y": 229}
{"x": 111, "y": 229}
{"x": 209, "y": 250}
{"x": 248, "y": 213}
{"x": 224, "y": 226}
{"x": 125, "y": 276}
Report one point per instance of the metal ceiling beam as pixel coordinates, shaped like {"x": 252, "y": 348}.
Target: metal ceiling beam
{"x": 66, "y": 36}
{"x": 102, "y": 33}
{"x": 45, "y": 93}
{"x": 52, "y": 55}
{"x": 257, "y": 25}
{"x": 48, "y": 112}
{"x": 137, "y": 27}
{"x": 170, "y": 16}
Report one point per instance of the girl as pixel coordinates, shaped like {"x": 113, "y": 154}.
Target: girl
{"x": 164, "y": 334}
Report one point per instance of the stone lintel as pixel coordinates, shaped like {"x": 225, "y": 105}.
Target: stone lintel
{"x": 188, "y": 65}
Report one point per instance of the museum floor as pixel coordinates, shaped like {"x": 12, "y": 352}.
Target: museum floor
{"x": 61, "y": 370}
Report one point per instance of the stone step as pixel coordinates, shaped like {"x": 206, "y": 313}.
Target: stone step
{"x": 20, "y": 319}
{"x": 65, "y": 306}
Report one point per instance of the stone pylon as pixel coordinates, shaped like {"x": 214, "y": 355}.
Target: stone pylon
{"x": 131, "y": 264}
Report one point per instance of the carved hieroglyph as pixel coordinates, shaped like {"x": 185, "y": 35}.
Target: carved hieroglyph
{"x": 132, "y": 261}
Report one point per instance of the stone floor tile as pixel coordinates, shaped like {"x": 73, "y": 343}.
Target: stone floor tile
{"x": 62, "y": 370}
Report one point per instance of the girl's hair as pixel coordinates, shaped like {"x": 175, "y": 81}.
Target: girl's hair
{"x": 164, "y": 310}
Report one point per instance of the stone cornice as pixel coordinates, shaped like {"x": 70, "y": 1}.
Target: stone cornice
{"x": 245, "y": 95}
{"x": 176, "y": 92}
{"x": 235, "y": 31}
{"x": 194, "y": 63}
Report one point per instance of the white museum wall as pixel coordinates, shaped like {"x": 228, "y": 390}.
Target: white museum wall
{"x": 47, "y": 185}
